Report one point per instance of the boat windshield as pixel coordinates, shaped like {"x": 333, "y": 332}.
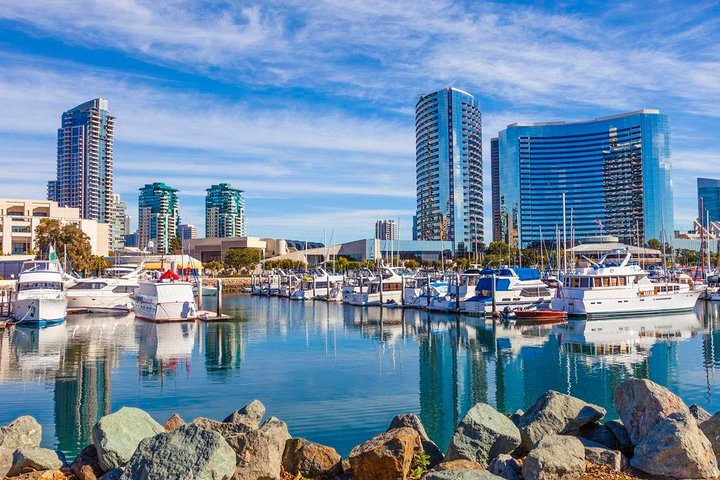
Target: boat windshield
{"x": 89, "y": 286}
{"x": 41, "y": 266}
{"x": 39, "y": 286}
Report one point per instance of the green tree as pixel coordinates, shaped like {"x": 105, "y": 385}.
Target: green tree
{"x": 239, "y": 258}
{"x": 412, "y": 264}
{"x": 64, "y": 238}
{"x": 341, "y": 264}
{"x": 654, "y": 243}
{"x": 176, "y": 246}
{"x": 97, "y": 264}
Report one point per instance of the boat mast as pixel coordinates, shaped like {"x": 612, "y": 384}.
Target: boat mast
{"x": 542, "y": 262}
{"x": 564, "y": 235}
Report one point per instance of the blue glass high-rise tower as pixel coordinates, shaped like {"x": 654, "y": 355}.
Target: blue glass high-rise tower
{"x": 614, "y": 171}
{"x": 224, "y": 212}
{"x": 85, "y": 161}
{"x": 448, "y": 143}
{"x": 158, "y": 217}
{"x": 709, "y": 197}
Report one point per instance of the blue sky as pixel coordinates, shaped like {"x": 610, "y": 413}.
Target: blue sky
{"x": 308, "y": 106}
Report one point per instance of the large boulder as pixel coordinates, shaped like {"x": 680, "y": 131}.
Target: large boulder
{"x": 505, "y": 466}
{"x": 387, "y": 456}
{"x": 24, "y": 431}
{"x": 599, "y": 454}
{"x": 187, "y": 452}
{"x": 641, "y": 404}
{"x": 86, "y": 465}
{"x": 461, "y": 474}
{"x": 413, "y": 421}
{"x": 253, "y": 413}
{"x": 556, "y": 413}
{"x": 599, "y": 433}
{"x": 259, "y": 453}
{"x": 35, "y": 459}
{"x": 310, "y": 459}
{"x": 676, "y": 447}
{"x": 711, "y": 429}
{"x": 699, "y": 413}
{"x": 6, "y": 459}
{"x": 116, "y": 436}
{"x": 483, "y": 434}
{"x": 556, "y": 457}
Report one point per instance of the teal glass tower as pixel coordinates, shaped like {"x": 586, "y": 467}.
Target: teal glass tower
{"x": 708, "y": 199}
{"x": 614, "y": 172}
{"x": 158, "y": 217}
{"x": 224, "y": 212}
{"x": 448, "y": 142}
{"x": 85, "y": 161}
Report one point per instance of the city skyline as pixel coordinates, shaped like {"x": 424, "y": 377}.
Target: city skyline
{"x": 319, "y": 140}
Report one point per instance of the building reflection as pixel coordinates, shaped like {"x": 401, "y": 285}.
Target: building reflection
{"x": 224, "y": 348}
{"x": 164, "y": 348}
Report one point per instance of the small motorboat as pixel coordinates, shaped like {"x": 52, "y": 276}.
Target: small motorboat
{"x": 539, "y": 317}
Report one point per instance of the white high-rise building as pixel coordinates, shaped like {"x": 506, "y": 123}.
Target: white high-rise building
{"x": 386, "y": 230}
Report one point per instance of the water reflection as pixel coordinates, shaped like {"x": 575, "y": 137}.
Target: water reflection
{"x": 338, "y": 373}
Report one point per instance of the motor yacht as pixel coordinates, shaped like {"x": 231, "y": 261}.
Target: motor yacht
{"x": 102, "y": 294}
{"x": 166, "y": 300}
{"x": 616, "y": 286}
{"x": 386, "y": 288}
{"x": 357, "y": 283}
{"x": 460, "y": 288}
{"x": 319, "y": 284}
{"x": 515, "y": 287}
{"x": 40, "y": 294}
{"x": 417, "y": 294}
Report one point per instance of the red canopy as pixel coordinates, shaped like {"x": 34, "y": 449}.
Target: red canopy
{"x": 170, "y": 275}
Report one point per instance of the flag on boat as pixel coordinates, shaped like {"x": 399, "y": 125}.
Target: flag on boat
{"x": 52, "y": 256}
{"x": 600, "y": 224}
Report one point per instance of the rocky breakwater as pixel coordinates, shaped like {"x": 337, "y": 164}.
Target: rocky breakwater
{"x": 559, "y": 437}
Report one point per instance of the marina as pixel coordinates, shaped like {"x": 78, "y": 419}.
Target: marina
{"x": 337, "y": 373}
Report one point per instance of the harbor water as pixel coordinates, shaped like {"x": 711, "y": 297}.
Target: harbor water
{"x": 335, "y": 373}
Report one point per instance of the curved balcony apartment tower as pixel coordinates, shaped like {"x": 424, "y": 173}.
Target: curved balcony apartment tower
{"x": 448, "y": 145}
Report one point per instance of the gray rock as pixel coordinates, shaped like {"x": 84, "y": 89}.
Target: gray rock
{"x": 556, "y": 457}
{"x": 461, "y": 474}
{"x": 641, "y": 404}
{"x": 600, "y": 455}
{"x": 676, "y": 447}
{"x": 35, "y": 459}
{"x": 711, "y": 429}
{"x": 253, "y": 412}
{"x": 413, "y": 421}
{"x": 556, "y": 413}
{"x": 24, "y": 431}
{"x": 226, "y": 429}
{"x": 599, "y": 434}
{"x": 259, "y": 452}
{"x": 506, "y": 467}
{"x": 6, "y": 459}
{"x": 310, "y": 459}
{"x": 621, "y": 436}
{"x": 86, "y": 465}
{"x": 515, "y": 417}
{"x": 189, "y": 452}
{"x": 483, "y": 434}
{"x": 699, "y": 413}
{"x": 116, "y": 436}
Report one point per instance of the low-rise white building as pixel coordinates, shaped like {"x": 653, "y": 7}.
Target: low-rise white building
{"x": 19, "y": 218}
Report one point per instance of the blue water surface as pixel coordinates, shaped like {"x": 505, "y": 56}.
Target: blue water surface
{"x": 336, "y": 373}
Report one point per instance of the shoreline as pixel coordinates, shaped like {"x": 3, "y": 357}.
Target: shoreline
{"x": 559, "y": 436}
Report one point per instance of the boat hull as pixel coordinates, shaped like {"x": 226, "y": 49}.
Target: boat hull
{"x": 633, "y": 306}
{"x": 101, "y": 303}
{"x": 373, "y": 299}
{"x": 165, "y": 312}
{"x": 43, "y": 311}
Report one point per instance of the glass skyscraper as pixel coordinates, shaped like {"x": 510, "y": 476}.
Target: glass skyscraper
{"x": 85, "y": 161}
{"x": 448, "y": 142}
{"x": 614, "y": 171}
{"x": 224, "y": 212}
{"x": 709, "y": 191}
{"x": 158, "y": 217}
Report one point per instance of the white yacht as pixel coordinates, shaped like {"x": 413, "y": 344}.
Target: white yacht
{"x": 515, "y": 287}
{"x": 460, "y": 288}
{"x": 40, "y": 294}
{"x": 167, "y": 300}
{"x": 386, "y": 288}
{"x": 357, "y": 283}
{"x": 102, "y": 294}
{"x": 416, "y": 290}
{"x": 319, "y": 284}
{"x": 616, "y": 286}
